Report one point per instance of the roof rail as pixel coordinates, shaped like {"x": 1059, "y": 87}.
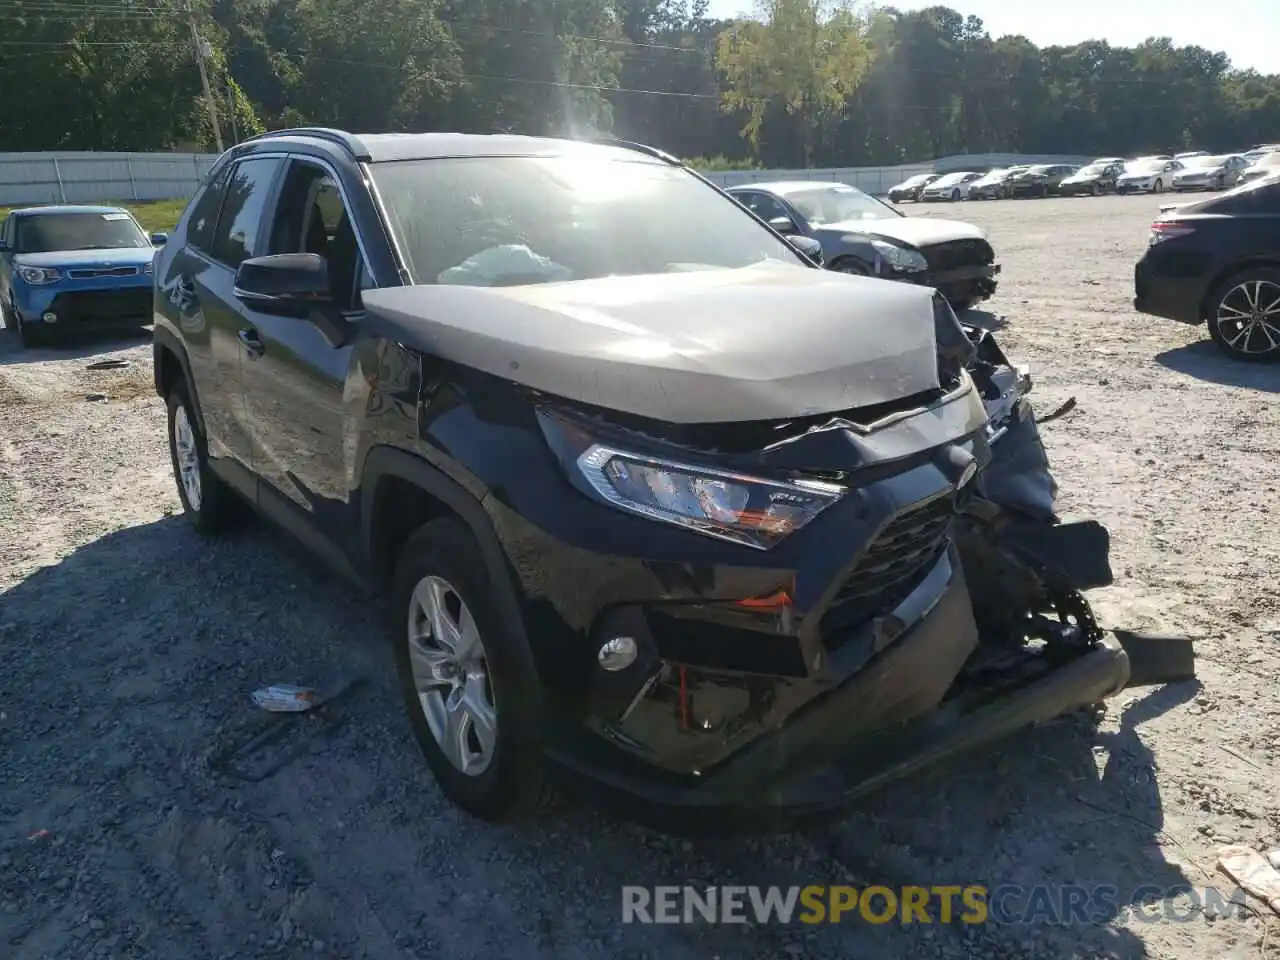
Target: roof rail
{"x": 632, "y": 145}
{"x": 348, "y": 141}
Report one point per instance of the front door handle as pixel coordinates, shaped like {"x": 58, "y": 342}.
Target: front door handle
{"x": 249, "y": 339}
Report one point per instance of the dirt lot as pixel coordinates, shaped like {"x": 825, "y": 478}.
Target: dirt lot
{"x": 128, "y": 648}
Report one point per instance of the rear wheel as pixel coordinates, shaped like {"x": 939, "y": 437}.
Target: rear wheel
{"x": 464, "y": 676}
{"x": 1244, "y": 316}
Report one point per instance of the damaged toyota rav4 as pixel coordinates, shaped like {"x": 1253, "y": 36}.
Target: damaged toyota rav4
{"x": 655, "y": 503}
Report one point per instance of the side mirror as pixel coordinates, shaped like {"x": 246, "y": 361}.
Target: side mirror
{"x": 159, "y": 239}
{"x": 809, "y": 248}
{"x": 784, "y": 226}
{"x": 285, "y": 284}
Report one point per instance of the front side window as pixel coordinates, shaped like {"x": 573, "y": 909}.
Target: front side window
{"x": 514, "y": 220}
{"x": 49, "y": 232}
{"x": 311, "y": 218}
{"x": 236, "y": 237}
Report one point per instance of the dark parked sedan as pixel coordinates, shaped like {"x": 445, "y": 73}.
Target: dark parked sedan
{"x": 1094, "y": 179}
{"x": 861, "y": 235}
{"x": 1039, "y": 181}
{"x": 1218, "y": 262}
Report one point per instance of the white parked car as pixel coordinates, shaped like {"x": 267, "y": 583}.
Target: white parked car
{"x": 1267, "y": 165}
{"x": 1191, "y": 155}
{"x": 1148, "y": 175}
{"x": 1257, "y": 153}
{"x": 1210, "y": 173}
{"x": 952, "y": 186}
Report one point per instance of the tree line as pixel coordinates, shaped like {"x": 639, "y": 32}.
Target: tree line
{"x": 804, "y": 82}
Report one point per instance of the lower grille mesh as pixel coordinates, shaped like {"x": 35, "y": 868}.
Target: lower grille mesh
{"x": 890, "y": 568}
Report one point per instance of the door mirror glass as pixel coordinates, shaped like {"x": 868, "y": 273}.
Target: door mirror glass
{"x": 287, "y": 284}
{"x": 159, "y": 239}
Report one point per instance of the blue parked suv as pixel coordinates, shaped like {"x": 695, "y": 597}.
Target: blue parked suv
{"x": 65, "y": 268}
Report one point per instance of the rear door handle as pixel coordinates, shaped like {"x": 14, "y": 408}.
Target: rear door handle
{"x": 249, "y": 339}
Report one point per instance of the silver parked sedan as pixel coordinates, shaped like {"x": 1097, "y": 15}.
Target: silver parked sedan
{"x": 863, "y": 235}
{"x": 1210, "y": 172}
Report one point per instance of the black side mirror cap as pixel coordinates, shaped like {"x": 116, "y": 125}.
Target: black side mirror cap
{"x": 286, "y": 284}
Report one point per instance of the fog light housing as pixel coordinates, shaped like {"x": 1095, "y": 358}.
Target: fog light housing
{"x": 49, "y": 317}
{"x": 618, "y": 653}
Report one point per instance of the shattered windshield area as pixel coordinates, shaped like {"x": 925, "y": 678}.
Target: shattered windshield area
{"x": 503, "y": 221}
{"x": 839, "y": 203}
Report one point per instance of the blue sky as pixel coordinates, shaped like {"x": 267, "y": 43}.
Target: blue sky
{"x": 1246, "y": 30}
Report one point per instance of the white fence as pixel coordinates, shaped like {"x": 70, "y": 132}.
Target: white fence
{"x": 88, "y": 177}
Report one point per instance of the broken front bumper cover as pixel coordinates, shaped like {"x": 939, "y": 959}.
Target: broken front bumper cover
{"x": 838, "y": 748}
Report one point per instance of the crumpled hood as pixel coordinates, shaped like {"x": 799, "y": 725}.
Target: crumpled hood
{"x": 123, "y": 257}
{"x": 766, "y": 342}
{"x": 917, "y": 231}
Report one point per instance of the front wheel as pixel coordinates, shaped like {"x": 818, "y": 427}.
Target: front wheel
{"x": 465, "y": 676}
{"x": 1244, "y": 316}
{"x": 955, "y": 196}
{"x": 1158, "y": 187}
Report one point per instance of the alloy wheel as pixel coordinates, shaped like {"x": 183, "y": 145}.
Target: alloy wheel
{"x": 451, "y": 676}
{"x": 188, "y": 456}
{"x": 1248, "y": 317}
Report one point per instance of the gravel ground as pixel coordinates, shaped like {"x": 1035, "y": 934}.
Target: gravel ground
{"x": 148, "y": 810}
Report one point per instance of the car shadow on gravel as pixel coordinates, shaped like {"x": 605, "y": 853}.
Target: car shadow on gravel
{"x": 69, "y": 346}
{"x": 1204, "y": 361}
{"x": 135, "y": 656}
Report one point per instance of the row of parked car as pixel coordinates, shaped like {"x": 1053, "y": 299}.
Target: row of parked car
{"x": 1197, "y": 170}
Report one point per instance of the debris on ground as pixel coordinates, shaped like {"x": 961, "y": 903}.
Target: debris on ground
{"x": 1252, "y": 871}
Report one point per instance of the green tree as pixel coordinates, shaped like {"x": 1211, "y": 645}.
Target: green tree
{"x": 807, "y": 56}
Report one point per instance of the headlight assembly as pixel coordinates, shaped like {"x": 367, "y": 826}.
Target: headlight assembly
{"x": 748, "y": 510}
{"x": 752, "y": 511}
{"x": 38, "y": 276}
{"x": 899, "y": 257}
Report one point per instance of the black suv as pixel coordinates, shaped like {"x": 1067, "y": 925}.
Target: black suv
{"x": 630, "y": 522}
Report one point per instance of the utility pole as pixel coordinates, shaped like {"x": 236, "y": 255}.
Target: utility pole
{"x": 202, "y": 53}
{"x": 231, "y": 112}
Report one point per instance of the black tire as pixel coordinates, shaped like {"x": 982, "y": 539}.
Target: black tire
{"x": 1094, "y": 189}
{"x": 514, "y": 784}
{"x": 850, "y": 265}
{"x": 961, "y": 304}
{"x": 28, "y": 336}
{"x": 1228, "y": 299}
{"x": 218, "y": 507}
{"x": 1158, "y": 186}
{"x": 955, "y": 195}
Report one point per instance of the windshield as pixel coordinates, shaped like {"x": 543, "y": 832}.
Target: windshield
{"x": 949, "y": 179}
{"x": 1146, "y": 166}
{"x": 1204, "y": 161}
{"x": 486, "y": 221}
{"x": 917, "y": 180}
{"x": 838, "y": 203}
{"x": 1041, "y": 168}
{"x": 994, "y": 175}
{"x": 1092, "y": 169}
{"x": 53, "y": 232}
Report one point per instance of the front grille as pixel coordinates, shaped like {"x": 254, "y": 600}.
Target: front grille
{"x": 890, "y": 568}
{"x": 958, "y": 253}
{"x": 88, "y": 306}
{"x": 90, "y": 273}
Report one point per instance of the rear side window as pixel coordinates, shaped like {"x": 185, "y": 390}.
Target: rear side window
{"x": 248, "y": 190}
{"x": 204, "y": 215}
